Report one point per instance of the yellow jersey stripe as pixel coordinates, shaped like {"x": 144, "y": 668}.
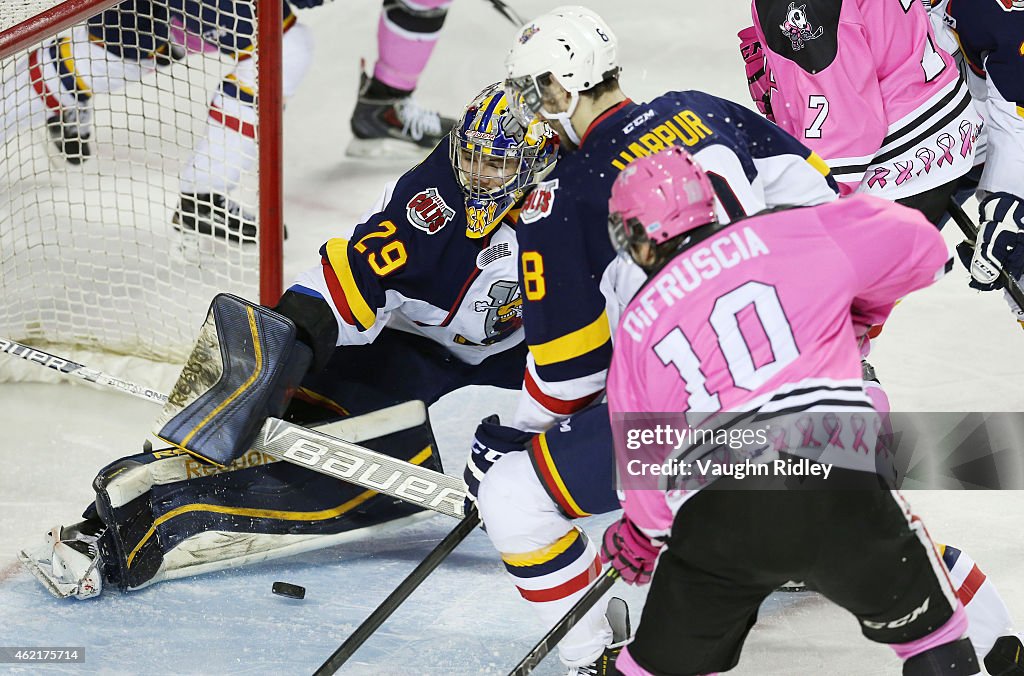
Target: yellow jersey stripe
{"x": 553, "y": 470}
{"x": 337, "y": 254}
{"x": 248, "y": 90}
{"x": 544, "y": 554}
{"x": 64, "y": 49}
{"x": 574, "y": 344}
{"x": 815, "y": 161}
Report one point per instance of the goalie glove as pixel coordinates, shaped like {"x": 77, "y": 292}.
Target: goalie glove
{"x": 1000, "y": 244}
{"x": 759, "y": 76}
{"x": 244, "y": 368}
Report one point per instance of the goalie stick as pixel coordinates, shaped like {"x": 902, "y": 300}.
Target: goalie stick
{"x": 401, "y": 593}
{"x": 298, "y": 445}
{"x": 970, "y": 231}
{"x": 562, "y": 627}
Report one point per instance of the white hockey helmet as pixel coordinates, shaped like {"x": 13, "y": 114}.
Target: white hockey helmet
{"x": 572, "y": 45}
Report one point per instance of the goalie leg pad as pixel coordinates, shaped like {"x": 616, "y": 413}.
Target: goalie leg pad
{"x": 169, "y": 516}
{"x": 243, "y": 369}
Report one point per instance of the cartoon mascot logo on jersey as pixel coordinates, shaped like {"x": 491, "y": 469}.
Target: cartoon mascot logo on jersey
{"x": 428, "y": 211}
{"x": 504, "y": 311}
{"x": 1011, "y": 5}
{"x": 797, "y": 28}
{"x": 539, "y": 202}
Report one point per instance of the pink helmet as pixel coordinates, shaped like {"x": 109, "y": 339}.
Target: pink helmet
{"x": 659, "y": 197}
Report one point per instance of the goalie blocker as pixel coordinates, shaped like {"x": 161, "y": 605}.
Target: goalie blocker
{"x": 245, "y": 365}
{"x": 165, "y": 515}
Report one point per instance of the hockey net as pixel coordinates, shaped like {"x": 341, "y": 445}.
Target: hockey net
{"x": 91, "y": 261}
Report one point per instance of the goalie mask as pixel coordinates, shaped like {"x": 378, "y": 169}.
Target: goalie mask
{"x": 497, "y": 159}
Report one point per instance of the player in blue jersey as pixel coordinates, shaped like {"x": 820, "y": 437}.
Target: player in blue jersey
{"x": 421, "y": 300}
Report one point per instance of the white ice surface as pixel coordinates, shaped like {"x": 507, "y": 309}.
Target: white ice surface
{"x": 947, "y": 348}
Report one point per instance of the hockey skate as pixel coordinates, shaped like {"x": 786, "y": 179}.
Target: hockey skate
{"x": 69, "y": 132}
{"x": 216, "y": 215}
{"x": 387, "y": 122}
{"x": 618, "y": 617}
{"x": 68, "y": 561}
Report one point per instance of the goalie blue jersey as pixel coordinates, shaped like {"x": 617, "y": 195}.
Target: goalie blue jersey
{"x": 573, "y": 292}
{"x": 410, "y": 266}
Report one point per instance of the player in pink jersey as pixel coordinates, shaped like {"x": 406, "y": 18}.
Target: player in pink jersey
{"x": 864, "y": 85}
{"x": 762, "y": 316}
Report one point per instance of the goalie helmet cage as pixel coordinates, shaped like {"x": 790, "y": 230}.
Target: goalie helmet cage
{"x": 90, "y": 259}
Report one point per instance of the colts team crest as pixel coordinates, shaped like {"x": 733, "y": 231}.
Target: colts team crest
{"x": 428, "y": 211}
{"x": 538, "y": 203}
{"x": 504, "y": 311}
{"x": 797, "y": 28}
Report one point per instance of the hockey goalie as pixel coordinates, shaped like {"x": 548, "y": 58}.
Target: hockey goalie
{"x": 422, "y": 300}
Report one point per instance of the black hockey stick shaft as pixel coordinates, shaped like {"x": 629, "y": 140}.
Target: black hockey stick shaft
{"x": 970, "y": 231}
{"x": 401, "y": 593}
{"x": 507, "y": 12}
{"x": 298, "y": 445}
{"x": 562, "y": 627}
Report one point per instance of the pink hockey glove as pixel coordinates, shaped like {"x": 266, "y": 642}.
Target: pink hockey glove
{"x": 630, "y": 551}
{"x": 759, "y": 76}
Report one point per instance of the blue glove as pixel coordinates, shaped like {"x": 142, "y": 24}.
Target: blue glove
{"x": 306, "y": 4}
{"x": 1000, "y": 243}
{"x": 491, "y": 441}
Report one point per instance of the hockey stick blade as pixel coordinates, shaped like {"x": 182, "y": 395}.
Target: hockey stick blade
{"x": 401, "y": 593}
{"x": 298, "y": 445}
{"x": 562, "y": 627}
{"x": 970, "y": 231}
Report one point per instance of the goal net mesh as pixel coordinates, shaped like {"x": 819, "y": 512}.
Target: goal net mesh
{"x": 90, "y": 255}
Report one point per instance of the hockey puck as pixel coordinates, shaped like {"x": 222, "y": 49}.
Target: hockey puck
{"x": 292, "y": 591}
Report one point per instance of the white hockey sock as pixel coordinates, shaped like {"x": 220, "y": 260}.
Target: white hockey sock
{"x": 988, "y": 617}
{"x": 228, "y": 147}
{"x": 550, "y": 561}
